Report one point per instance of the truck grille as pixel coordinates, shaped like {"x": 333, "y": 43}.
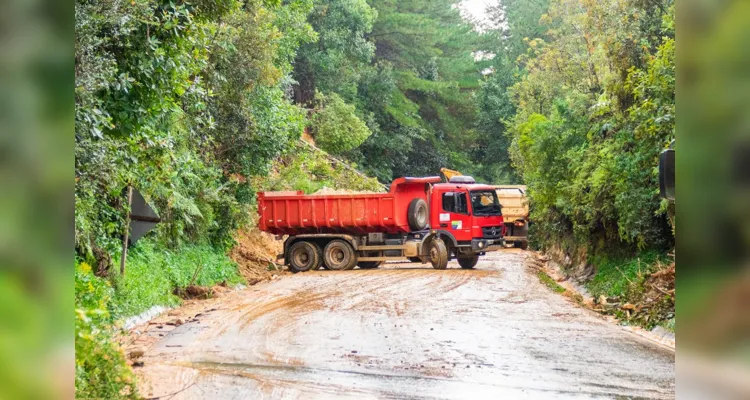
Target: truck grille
{"x": 492, "y": 232}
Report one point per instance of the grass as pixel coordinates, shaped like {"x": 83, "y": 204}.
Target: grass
{"x": 668, "y": 324}
{"x": 614, "y": 276}
{"x": 545, "y": 279}
{"x": 626, "y": 279}
{"x": 153, "y": 272}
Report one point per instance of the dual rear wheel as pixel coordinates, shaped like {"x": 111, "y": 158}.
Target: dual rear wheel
{"x": 337, "y": 255}
{"x": 304, "y": 256}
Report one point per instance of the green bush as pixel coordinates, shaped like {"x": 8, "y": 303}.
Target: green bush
{"x": 101, "y": 371}
{"x": 178, "y": 99}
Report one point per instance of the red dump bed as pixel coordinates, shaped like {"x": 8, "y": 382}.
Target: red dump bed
{"x": 294, "y": 213}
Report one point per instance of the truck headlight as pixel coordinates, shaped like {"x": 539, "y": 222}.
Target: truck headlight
{"x": 480, "y": 244}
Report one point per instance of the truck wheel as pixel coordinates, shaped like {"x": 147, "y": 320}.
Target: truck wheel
{"x": 319, "y": 252}
{"x": 304, "y": 256}
{"x": 338, "y": 255}
{"x": 417, "y": 215}
{"x": 369, "y": 264}
{"x": 523, "y": 244}
{"x": 468, "y": 262}
{"x": 438, "y": 254}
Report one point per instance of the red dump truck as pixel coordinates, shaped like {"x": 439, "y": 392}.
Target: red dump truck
{"x": 418, "y": 219}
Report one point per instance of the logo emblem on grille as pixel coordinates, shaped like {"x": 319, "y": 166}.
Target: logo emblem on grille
{"x": 494, "y": 232}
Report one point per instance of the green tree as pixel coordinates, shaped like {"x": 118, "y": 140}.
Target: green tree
{"x": 419, "y": 91}
{"x": 335, "y": 126}
{"x": 334, "y": 63}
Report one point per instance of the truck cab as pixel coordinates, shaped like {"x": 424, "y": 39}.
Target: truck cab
{"x": 468, "y": 216}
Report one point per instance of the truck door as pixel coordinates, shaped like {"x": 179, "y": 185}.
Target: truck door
{"x": 454, "y": 215}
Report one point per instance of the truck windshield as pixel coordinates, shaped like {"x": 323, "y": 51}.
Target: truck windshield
{"x": 484, "y": 202}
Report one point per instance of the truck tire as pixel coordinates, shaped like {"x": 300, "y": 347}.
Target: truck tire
{"x": 468, "y": 262}
{"x": 438, "y": 254}
{"x": 417, "y": 215}
{"x": 369, "y": 264}
{"x": 523, "y": 244}
{"x": 319, "y": 251}
{"x": 304, "y": 256}
{"x": 339, "y": 255}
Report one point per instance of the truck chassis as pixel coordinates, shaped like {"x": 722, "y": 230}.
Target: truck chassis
{"x": 334, "y": 251}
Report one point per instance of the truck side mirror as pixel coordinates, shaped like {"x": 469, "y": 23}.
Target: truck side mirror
{"x": 666, "y": 174}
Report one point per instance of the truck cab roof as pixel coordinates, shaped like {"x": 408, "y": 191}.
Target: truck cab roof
{"x": 468, "y": 186}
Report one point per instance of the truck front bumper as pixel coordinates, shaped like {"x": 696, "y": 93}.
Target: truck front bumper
{"x": 480, "y": 245}
{"x": 516, "y": 238}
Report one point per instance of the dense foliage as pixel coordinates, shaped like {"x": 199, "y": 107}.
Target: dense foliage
{"x": 419, "y": 90}
{"x": 174, "y": 98}
{"x": 407, "y": 70}
{"x": 586, "y": 109}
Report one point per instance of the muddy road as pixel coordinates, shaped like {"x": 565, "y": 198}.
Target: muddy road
{"x": 403, "y": 331}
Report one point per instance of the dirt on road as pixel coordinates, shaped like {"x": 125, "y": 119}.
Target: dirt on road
{"x": 401, "y": 331}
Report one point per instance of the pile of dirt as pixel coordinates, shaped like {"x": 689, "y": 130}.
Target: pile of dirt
{"x": 307, "y": 136}
{"x": 327, "y": 190}
{"x": 255, "y": 254}
{"x": 201, "y": 292}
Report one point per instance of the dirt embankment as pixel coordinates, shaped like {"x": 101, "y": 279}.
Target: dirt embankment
{"x": 648, "y": 301}
{"x": 255, "y": 254}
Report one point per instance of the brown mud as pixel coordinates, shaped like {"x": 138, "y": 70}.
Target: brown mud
{"x": 255, "y": 254}
{"x": 401, "y": 331}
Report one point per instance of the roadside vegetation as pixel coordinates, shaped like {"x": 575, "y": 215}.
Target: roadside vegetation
{"x": 199, "y": 105}
{"x": 638, "y": 290}
{"x": 549, "y": 282}
{"x": 582, "y": 98}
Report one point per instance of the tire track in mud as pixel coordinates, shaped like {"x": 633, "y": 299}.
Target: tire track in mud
{"x": 406, "y": 331}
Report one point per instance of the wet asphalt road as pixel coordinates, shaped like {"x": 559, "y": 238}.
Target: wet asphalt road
{"x": 405, "y": 331}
